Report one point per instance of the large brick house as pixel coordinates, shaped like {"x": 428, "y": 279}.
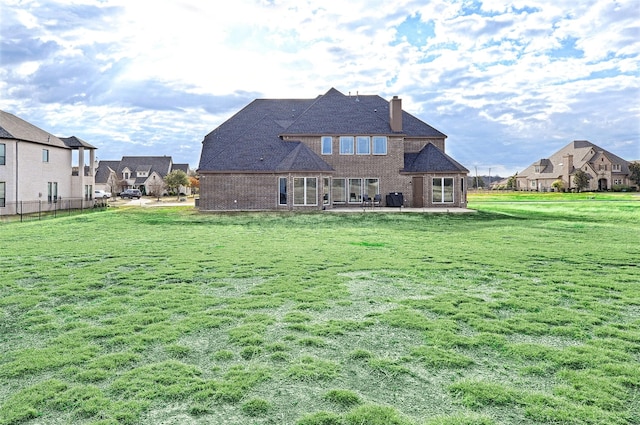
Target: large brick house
{"x": 604, "y": 169}
{"x": 37, "y": 167}
{"x": 334, "y": 150}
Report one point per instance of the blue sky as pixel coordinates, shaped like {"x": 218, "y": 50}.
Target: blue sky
{"x": 508, "y": 82}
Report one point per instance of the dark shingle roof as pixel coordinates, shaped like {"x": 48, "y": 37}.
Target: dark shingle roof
{"x": 74, "y": 142}
{"x": 183, "y": 167}
{"x": 431, "y": 160}
{"x": 12, "y": 127}
{"x": 159, "y": 164}
{"x": 104, "y": 170}
{"x": 251, "y": 140}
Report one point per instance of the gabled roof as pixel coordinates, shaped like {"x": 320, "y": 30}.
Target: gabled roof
{"x": 253, "y": 139}
{"x": 162, "y": 165}
{"x": 337, "y": 114}
{"x": 159, "y": 164}
{"x": 583, "y": 152}
{"x": 431, "y": 160}
{"x": 104, "y": 170}
{"x": 12, "y": 127}
{"x": 301, "y": 158}
{"x": 250, "y": 141}
{"x": 182, "y": 167}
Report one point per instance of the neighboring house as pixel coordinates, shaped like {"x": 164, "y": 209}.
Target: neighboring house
{"x": 146, "y": 173}
{"x": 603, "y": 168}
{"x": 37, "y": 166}
{"x": 331, "y": 151}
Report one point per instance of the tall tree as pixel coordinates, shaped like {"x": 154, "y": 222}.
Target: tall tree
{"x": 634, "y": 168}
{"x": 175, "y": 179}
{"x": 581, "y": 180}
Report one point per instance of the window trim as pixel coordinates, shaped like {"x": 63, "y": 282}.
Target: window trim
{"x": 442, "y": 190}
{"x": 45, "y": 155}
{"x": 373, "y": 143}
{"x": 280, "y": 193}
{"x": 305, "y": 196}
{"x": 347, "y": 149}
{"x": 366, "y": 141}
{"x": 328, "y": 139}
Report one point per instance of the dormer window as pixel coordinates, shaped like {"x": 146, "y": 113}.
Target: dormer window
{"x": 537, "y": 169}
{"x": 615, "y": 167}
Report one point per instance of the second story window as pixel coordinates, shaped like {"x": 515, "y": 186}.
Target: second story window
{"x": 3, "y": 154}
{"x": 614, "y": 167}
{"x": 379, "y": 145}
{"x": 363, "y": 145}
{"x": 327, "y": 142}
{"x": 346, "y": 145}
{"x": 45, "y": 155}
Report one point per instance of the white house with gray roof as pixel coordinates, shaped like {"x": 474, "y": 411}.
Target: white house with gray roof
{"x": 36, "y": 166}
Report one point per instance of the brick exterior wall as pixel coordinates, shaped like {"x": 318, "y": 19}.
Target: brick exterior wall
{"x": 251, "y": 192}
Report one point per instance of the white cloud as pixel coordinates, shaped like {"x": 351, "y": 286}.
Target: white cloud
{"x": 520, "y": 74}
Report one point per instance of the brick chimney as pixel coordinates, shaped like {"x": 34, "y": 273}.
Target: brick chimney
{"x": 395, "y": 114}
{"x": 567, "y": 168}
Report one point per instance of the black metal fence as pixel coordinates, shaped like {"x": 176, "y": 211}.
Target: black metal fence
{"x": 39, "y": 210}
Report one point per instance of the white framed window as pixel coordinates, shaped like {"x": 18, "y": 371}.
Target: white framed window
{"x": 325, "y": 191}
{"x": 442, "y": 188}
{"x": 3, "y": 154}
{"x": 372, "y": 187}
{"x": 346, "y": 145}
{"x": 305, "y": 191}
{"x": 45, "y": 155}
{"x": 355, "y": 191}
{"x": 537, "y": 169}
{"x": 52, "y": 192}
{"x": 327, "y": 145}
{"x": 282, "y": 185}
{"x": 338, "y": 191}
{"x": 379, "y": 145}
{"x": 363, "y": 145}
{"x": 614, "y": 167}
{"x": 533, "y": 183}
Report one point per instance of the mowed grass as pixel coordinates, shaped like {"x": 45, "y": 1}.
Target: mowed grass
{"x": 524, "y": 312}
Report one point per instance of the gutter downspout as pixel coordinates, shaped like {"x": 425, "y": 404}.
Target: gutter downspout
{"x": 17, "y": 173}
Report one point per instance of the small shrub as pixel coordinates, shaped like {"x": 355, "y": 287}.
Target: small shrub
{"x": 256, "y": 407}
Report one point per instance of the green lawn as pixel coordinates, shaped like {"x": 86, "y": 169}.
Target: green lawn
{"x": 524, "y": 312}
